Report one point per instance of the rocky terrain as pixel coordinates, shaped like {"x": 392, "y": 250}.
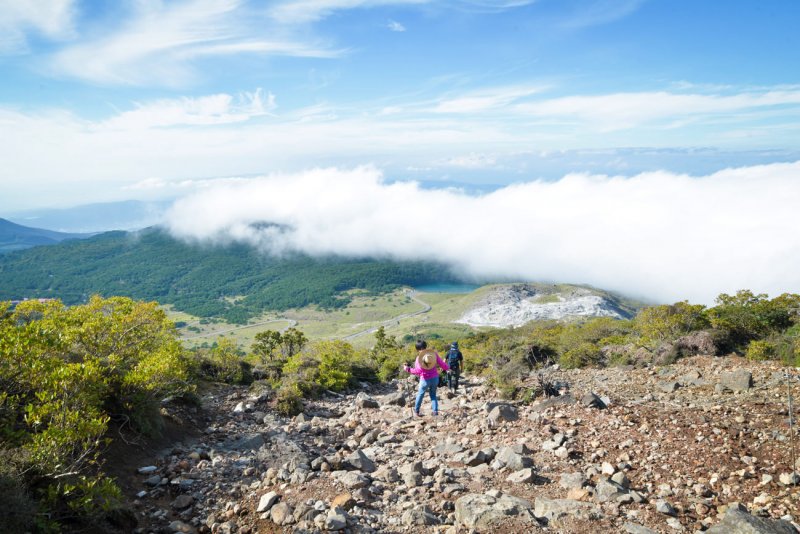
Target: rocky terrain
{"x": 702, "y": 445}
{"x": 517, "y": 304}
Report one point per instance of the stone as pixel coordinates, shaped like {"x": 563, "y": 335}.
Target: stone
{"x": 154, "y": 480}
{"x": 358, "y": 460}
{"x": 281, "y": 514}
{"x": 738, "y": 380}
{"x": 553, "y": 402}
{"x": 669, "y": 387}
{"x": 448, "y": 449}
{"x": 621, "y": 479}
{"x": 365, "y": 401}
{"x": 663, "y": 507}
{"x": 336, "y": 519}
{"x": 419, "y": 517}
{"x": 412, "y": 480}
{"x": 501, "y": 413}
{"x": 789, "y": 479}
{"x": 147, "y": 470}
{"x": 475, "y": 458}
{"x": 606, "y": 491}
{"x": 267, "y": 501}
{"x": 591, "y": 400}
{"x": 395, "y": 399}
{"x": 513, "y": 460}
{"x": 182, "y": 502}
{"x": 738, "y": 521}
{"x": 354, "y": 480}
{"x": 180, "y": 526}
{"x": 239, "y": 408}
{"x": 553, "y": 509}
{"x": 479, "y": 511}
{"x": 344, "y": 501}
{"x": 522, "y": 476}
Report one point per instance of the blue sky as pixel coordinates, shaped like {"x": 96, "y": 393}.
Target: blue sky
{"x": 142, "y": 99}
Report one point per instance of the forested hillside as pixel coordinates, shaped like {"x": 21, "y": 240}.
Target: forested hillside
{"x": 235, "y": 281}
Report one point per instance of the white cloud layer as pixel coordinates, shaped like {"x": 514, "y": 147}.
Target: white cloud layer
{"x": 659, "y": 235}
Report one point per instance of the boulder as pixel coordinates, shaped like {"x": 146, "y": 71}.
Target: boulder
{"x": 344, "y": 501}
{"x": 738, "y": 380}
{"x": 512, "y": 459}
{"x": 267, "y": 501}
{"x": 503, "y": 412}
{"x": 522, "y": 476}
{"x": 553, "y": 402}
{"x": 395, "y": 399}
{"x": 633, "y": 528}
{"x": 281, "y": 514}
{"x": 365, "y": 401}
{"x": 553, "y": 509}
{"x": 590, "y": 400}
{"x": 354, "y": 480}
{"x": 701, "y": 342}
{"x": 336, "y": 519}
{"x": 421, "y": 516}
{"x": 358, "y": 460}
{"x": 182, "y": 502}
{"x": 572, "y": 480}
{"x": 737, "y": 521}
{"x": 479, "y": 511}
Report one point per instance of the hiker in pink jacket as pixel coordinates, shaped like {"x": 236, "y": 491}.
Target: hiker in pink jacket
{"x": 425, "y": 368}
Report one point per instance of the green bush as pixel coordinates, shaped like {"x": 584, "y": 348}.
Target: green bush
{"x": 582, "y": 355}
{"x": 761, "y": 349}
{"x": 66, "y": 375}
{"x": 289, "y": 400}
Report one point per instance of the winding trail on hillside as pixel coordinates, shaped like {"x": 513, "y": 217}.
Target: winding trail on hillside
{"x": 410, "y": 293}
{"x": 292, "y": 324}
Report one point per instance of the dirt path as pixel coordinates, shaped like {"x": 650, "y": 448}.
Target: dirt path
{"x": 410, "y": 293}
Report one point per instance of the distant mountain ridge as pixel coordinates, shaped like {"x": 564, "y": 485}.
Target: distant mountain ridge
{"x": 94, "y": 218}
{"x": 235, "y": 281}
{"x": 18, "y": 237}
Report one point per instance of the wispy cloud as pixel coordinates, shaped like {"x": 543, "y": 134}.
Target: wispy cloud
{"x": 396, "y": 26}
{"x": 158, "y": 41}
{"x": 597, "y": 12}
{"x": 207, "y": 110}
{"x": 661, "y": 235}
{"x": 304, "y": 11}
{"x": 485, "y": 100}
{"x": 625, "y": 110}
{"x": 53, "y": 19}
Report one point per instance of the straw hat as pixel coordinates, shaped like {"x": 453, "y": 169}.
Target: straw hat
{"x": 427, "y": 359}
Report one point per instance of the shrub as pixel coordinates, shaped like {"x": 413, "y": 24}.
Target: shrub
{"x": 761, "y": 349}
{"x": 581, "y": 356}
{"x": 289, "y": 400}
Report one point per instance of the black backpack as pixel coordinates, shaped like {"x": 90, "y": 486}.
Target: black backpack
{"x": 452, "y": 358}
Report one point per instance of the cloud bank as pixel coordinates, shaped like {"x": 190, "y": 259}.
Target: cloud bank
{"x": 658, "y": 235}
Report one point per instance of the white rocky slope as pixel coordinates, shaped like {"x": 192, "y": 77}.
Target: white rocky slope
{"x": 518, "y": 304}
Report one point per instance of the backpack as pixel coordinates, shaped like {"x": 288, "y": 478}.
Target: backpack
{"x": 452, "y": 358}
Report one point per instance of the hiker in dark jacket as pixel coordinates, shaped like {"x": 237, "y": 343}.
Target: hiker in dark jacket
{"x": 454, "y": 360}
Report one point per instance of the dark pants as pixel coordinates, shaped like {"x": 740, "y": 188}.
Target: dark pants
{"x": 452, "y": 378}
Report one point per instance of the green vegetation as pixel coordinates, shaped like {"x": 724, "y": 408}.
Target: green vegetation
{"x": 66, "y": 376}
{"x": 753, "y": 325}
{"x": 234, "y": 282}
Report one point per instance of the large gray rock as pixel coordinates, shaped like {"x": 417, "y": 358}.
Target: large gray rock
{"x": 553, "y": 509}
{"x": 513, "y": 459}
{"x": 553, "y": 402}
{"x": 738, "y": 380}
{"x": 267, "y": 501}
{"x": 365, "y": 401}
{"x": 737, "y": 521}
{"x": 479, "y": 511}
{"x": 282, "y": 514}
{"x": 503, "y": 412}
{"x": 572, "y": 480}
{"x": 607, "y": 490}
{"x": 336, "y": 519}
{"x": 591, "y": 400}
{"x": 354, "y": 480}
{"x": 522, "y": 476}
{"x": 358, "y": 460}
{"x": 395, "y": 399}
{"x": 448, "y": 449}
{"x": 419, "y": 517}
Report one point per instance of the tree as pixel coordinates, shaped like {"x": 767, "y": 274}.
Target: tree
{"x": 292, "y": 341}
{"x": 657, "y": 324}
{"x": 265, "y": 345}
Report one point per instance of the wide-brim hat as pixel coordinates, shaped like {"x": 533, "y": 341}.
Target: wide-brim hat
{"x": 427, "y": 358}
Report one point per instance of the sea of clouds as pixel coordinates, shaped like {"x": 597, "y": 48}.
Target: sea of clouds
{"x": 657, "y": 235}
